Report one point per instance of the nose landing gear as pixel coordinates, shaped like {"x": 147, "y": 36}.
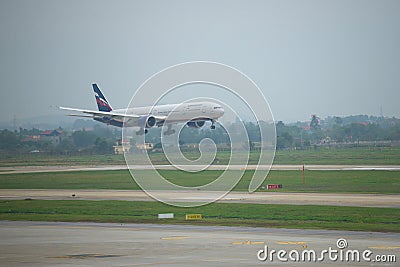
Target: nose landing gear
{"x": 212, "y": 124}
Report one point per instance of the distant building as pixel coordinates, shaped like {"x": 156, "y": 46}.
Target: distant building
{"x": 122, "y": 146}
{"x": 145, "y": 146}
{"x": 54, "y": 136}
{"x": 31, "y": 138}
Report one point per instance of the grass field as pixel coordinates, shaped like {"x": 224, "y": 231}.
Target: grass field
{"x": 258, "y": 215}
{"x": 255, "y": 215}
{"x": 383, "y": 182}
{"x": 358, "y": 156}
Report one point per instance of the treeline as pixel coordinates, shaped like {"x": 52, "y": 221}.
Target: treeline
{"x": 337, "y": 131}
{"x": 332, "y": 131}
{"x": 99, "y": 140}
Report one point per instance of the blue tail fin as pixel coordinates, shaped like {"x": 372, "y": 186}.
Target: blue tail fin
{"x": 101, "y": 101}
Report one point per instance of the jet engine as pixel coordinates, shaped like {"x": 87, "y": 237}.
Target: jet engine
{"x": 147, "y": 121}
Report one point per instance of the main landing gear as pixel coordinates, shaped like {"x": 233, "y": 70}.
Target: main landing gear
{"x": 141, "y": 131}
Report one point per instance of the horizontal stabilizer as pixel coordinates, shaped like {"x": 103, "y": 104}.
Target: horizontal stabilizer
{"x": 81, "y": 116}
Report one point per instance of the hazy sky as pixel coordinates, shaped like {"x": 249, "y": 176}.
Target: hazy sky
{"x": 308, "y": 57}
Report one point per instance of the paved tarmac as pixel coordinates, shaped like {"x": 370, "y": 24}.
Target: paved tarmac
{"x": 330, "y": 199}
{"x": 94, "y": 244}
{"x": 91, "y": 244}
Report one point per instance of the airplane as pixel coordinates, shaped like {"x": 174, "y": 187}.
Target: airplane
{"x": 194, "y": 114}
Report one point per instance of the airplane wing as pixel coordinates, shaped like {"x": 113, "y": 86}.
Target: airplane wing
{"x": 110, "y": 114}
{"x": 94, "y": 113}
{"x": 106, "y": 114}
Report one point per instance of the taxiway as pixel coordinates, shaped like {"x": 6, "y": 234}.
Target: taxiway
{"x": 94, "y": 244}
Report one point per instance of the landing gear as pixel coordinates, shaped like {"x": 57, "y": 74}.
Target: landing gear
{"x": 169, "y": 130}
{"x": 141, "y": 131}
{"x": 212, "y": 125}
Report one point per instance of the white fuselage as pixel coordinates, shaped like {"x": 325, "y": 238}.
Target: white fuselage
{"x": 174, "y": 113}
{"x": 194, "y": 114}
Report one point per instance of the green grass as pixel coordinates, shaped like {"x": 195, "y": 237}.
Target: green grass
{"x": 345, "y": 156}
{"x": 255, "y": 215}
{"x": 383, "y": 182}
{"x": 38, "y": 159}
{"x": 374, "y": 156}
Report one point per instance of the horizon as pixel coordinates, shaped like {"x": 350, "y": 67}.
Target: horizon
{"x": 67, "y": 121}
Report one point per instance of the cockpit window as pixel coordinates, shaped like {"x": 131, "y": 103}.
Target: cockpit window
{"x": 217, "y": 107}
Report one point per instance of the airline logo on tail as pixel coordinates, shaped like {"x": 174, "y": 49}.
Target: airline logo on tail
{"x": 101, "y": 101}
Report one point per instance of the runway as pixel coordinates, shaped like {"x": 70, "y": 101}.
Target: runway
{"x": 94, "y": 244}
{"x": 330, "y": 199}
{"x": 65, "y": 168}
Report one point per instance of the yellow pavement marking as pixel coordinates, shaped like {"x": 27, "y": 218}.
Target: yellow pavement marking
{"x": 303, "y": 244}
{"x": 248, "y": 242}
{"x": 174, "y": 237}
{"x": 385, "y": 247}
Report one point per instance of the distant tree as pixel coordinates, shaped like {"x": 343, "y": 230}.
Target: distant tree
{"x": 83, "y": 138}
{"x": 104, "y": 132}
{"x": 8, "y": 140}
{"x": 84, "y": 124}
{"x": 284, "y": 140}
{"x": 103, "y": 146}
{"x": 393, "y": 132}
{"x": 26, "y": 132}
{"x": 66, "y": 145}
{"x": 338, "y": 121}
{"x": 157, "y": 146}
{"x": 253, "y": 132}
{"x": 153, "y": 135}
{"x": 280, "y": 124}
{"x": 251, "y": 145}
{"x": 314, "y": 124}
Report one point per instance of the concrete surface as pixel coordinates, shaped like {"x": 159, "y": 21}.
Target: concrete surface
{"x": 330, "y": 199}
{"x": 93, "y": 244}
